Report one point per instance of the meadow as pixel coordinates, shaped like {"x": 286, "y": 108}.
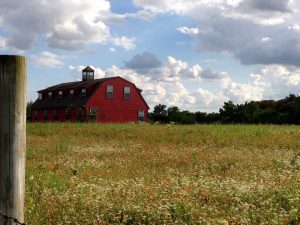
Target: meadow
{"x": 162, "y": 174}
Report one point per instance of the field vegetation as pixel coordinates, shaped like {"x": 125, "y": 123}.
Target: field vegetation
{"x": 162, "y": 174}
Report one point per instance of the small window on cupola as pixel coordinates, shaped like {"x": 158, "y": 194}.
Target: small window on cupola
{"x": 91, "y": 75}
{"x": 40, "y": 96}
{"x": 84, "y": 75}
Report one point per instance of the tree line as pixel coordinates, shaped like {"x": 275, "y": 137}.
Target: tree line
{"x": 284, "y": 111}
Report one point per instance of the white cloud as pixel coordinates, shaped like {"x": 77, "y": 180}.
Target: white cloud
{"x": 295, "y": 26}
{"x": 266, "y": 11}
{"x": 2, "y": 43}
{"x": 187, "y": 30}
{"x": 242, "y": 92}
{"x": 208, "y": 101}
{"x": 240, "y": 27}
{"x": 265, "y": 39}
{"x": 170, "y": 84}
{"x": 66, "y": 25}
{"x": 142, "y": 14}
{"x": 73, "y": 35}
{"x": 47, "y": 59}
{"x": 177, "y": 69}
{"x": 177, "y": 6}
{"x": 124, "y": 42}
{"x": 162, "y": 85}
{"x": 282, "y": 80}
{"x": 209, "y": 74}
{"x": 112, "y": 49}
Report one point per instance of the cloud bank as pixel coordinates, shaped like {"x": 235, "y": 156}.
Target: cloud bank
{"x": 240, "y": 27}
{"x": 68, "y": 25}
{"x": 169, "y": 82}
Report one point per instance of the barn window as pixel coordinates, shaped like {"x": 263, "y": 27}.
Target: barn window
{"x": 109, "y": 91}
{"x": 93, "y": 114}
{"x": 50, "y": 95}
{"x": 60, "y": 94}
{"x": 83, "y": 92}
{"x": 90, "y": 75}
{"x": 127, "y": 93}
{"x": 40, "y": 96}
{"x": 72, "y": 93}
{"x": 45, "y": 115}
{"x": 55, "y": 114}
{"x": 80, "y": 115}
{"x": 141, "y": 115}
{"x": 84, "y": 75}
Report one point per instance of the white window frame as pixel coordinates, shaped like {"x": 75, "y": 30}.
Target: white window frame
{"x": 141, "y": 114}
{"x": 71, "y": 92}
{"x": 40, "y": 96}
{"x": 60, "y": 94}
{"x": 50, "y": 94}
{"x": 127, "y": 93}
{"x": 109, "y": 91}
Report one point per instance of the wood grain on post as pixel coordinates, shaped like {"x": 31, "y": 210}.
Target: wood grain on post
{"x": 12, "y": 136}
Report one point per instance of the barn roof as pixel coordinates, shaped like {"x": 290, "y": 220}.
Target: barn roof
{"x": 88, "y": 69}
{"x": 77, "y": 100}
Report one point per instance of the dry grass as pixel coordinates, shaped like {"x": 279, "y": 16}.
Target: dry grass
{"x": 153, "y": 174}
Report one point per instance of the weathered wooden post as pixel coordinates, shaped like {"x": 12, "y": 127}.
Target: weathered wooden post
{"x": 12, "y": 137}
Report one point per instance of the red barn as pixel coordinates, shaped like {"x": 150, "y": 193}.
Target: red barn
{"x": 112, "y": 99}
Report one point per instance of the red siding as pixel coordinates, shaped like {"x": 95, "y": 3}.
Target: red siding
{"x": 61, "y": 115}
{"x": 117, "y": 109}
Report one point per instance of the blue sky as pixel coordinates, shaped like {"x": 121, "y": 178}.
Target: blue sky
{"x": 194, "y": 54}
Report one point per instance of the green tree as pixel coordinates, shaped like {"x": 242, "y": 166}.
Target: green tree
{"x": 173, "y": 113}
{"x": 160, "y": 113}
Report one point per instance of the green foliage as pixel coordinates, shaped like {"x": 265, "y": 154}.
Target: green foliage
{"x": 172, "y": 114}
{"x": 285, "y": 111}
{"x": 159, "y": 113}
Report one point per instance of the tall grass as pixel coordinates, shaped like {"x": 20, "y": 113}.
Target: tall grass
{"x": 154, "y": 174}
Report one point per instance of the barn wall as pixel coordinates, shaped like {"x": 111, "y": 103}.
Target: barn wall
{"x": 61, "y": 115}
{"x": 117, "y": 109}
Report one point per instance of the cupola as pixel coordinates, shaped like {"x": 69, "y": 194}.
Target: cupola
{"x": 87, "y": 74}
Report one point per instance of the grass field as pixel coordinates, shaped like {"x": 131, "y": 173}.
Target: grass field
{"x": 154, "y": 174}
